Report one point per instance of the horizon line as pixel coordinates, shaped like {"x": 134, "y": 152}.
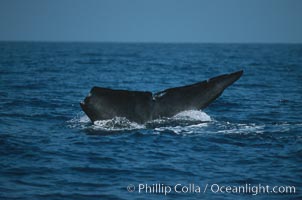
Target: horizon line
{"x": 146, "y": 42}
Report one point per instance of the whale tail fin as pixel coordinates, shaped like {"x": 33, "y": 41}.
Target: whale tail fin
{"x": 104, "y": 103}
{"x": 191, "y": 97}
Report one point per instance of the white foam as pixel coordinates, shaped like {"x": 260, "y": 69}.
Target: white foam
{"x": 182, "y": 130}
{"x": 198, "y": 118}
{"x": 84, "y": 119}
{"x": 180, "y": 123}
{"x": 195, "y": 115}
{"x": 242, "y": 128}
{"x": 79, "y": 121}
{"x": 116, "y": 124}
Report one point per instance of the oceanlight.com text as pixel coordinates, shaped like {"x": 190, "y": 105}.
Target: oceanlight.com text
{"x": 192, "y": 188}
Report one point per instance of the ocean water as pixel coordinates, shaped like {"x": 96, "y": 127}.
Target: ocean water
{"x": 251, "y": 135}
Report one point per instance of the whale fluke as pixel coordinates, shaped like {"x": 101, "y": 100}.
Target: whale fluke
{"x": 140, "y": 107}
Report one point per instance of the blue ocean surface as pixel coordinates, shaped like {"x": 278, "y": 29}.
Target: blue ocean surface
{"x": 250, "y": 136}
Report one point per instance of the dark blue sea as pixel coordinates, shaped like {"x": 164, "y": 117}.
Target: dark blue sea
{"x": 249, "y": 137}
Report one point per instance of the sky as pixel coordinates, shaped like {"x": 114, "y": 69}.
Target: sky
{"x": 202, "y": 21}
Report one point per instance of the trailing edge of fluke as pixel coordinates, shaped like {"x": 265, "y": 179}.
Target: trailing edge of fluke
{"x": 140, "y": 107}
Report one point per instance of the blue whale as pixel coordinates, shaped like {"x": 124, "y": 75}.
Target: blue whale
{"x": 141, "y": 106}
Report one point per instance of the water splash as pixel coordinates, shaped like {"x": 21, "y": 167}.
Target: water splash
{"x": 194, "y": 115}
{"x": 181, "y": 122}
{"x": 116, "y": 124}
